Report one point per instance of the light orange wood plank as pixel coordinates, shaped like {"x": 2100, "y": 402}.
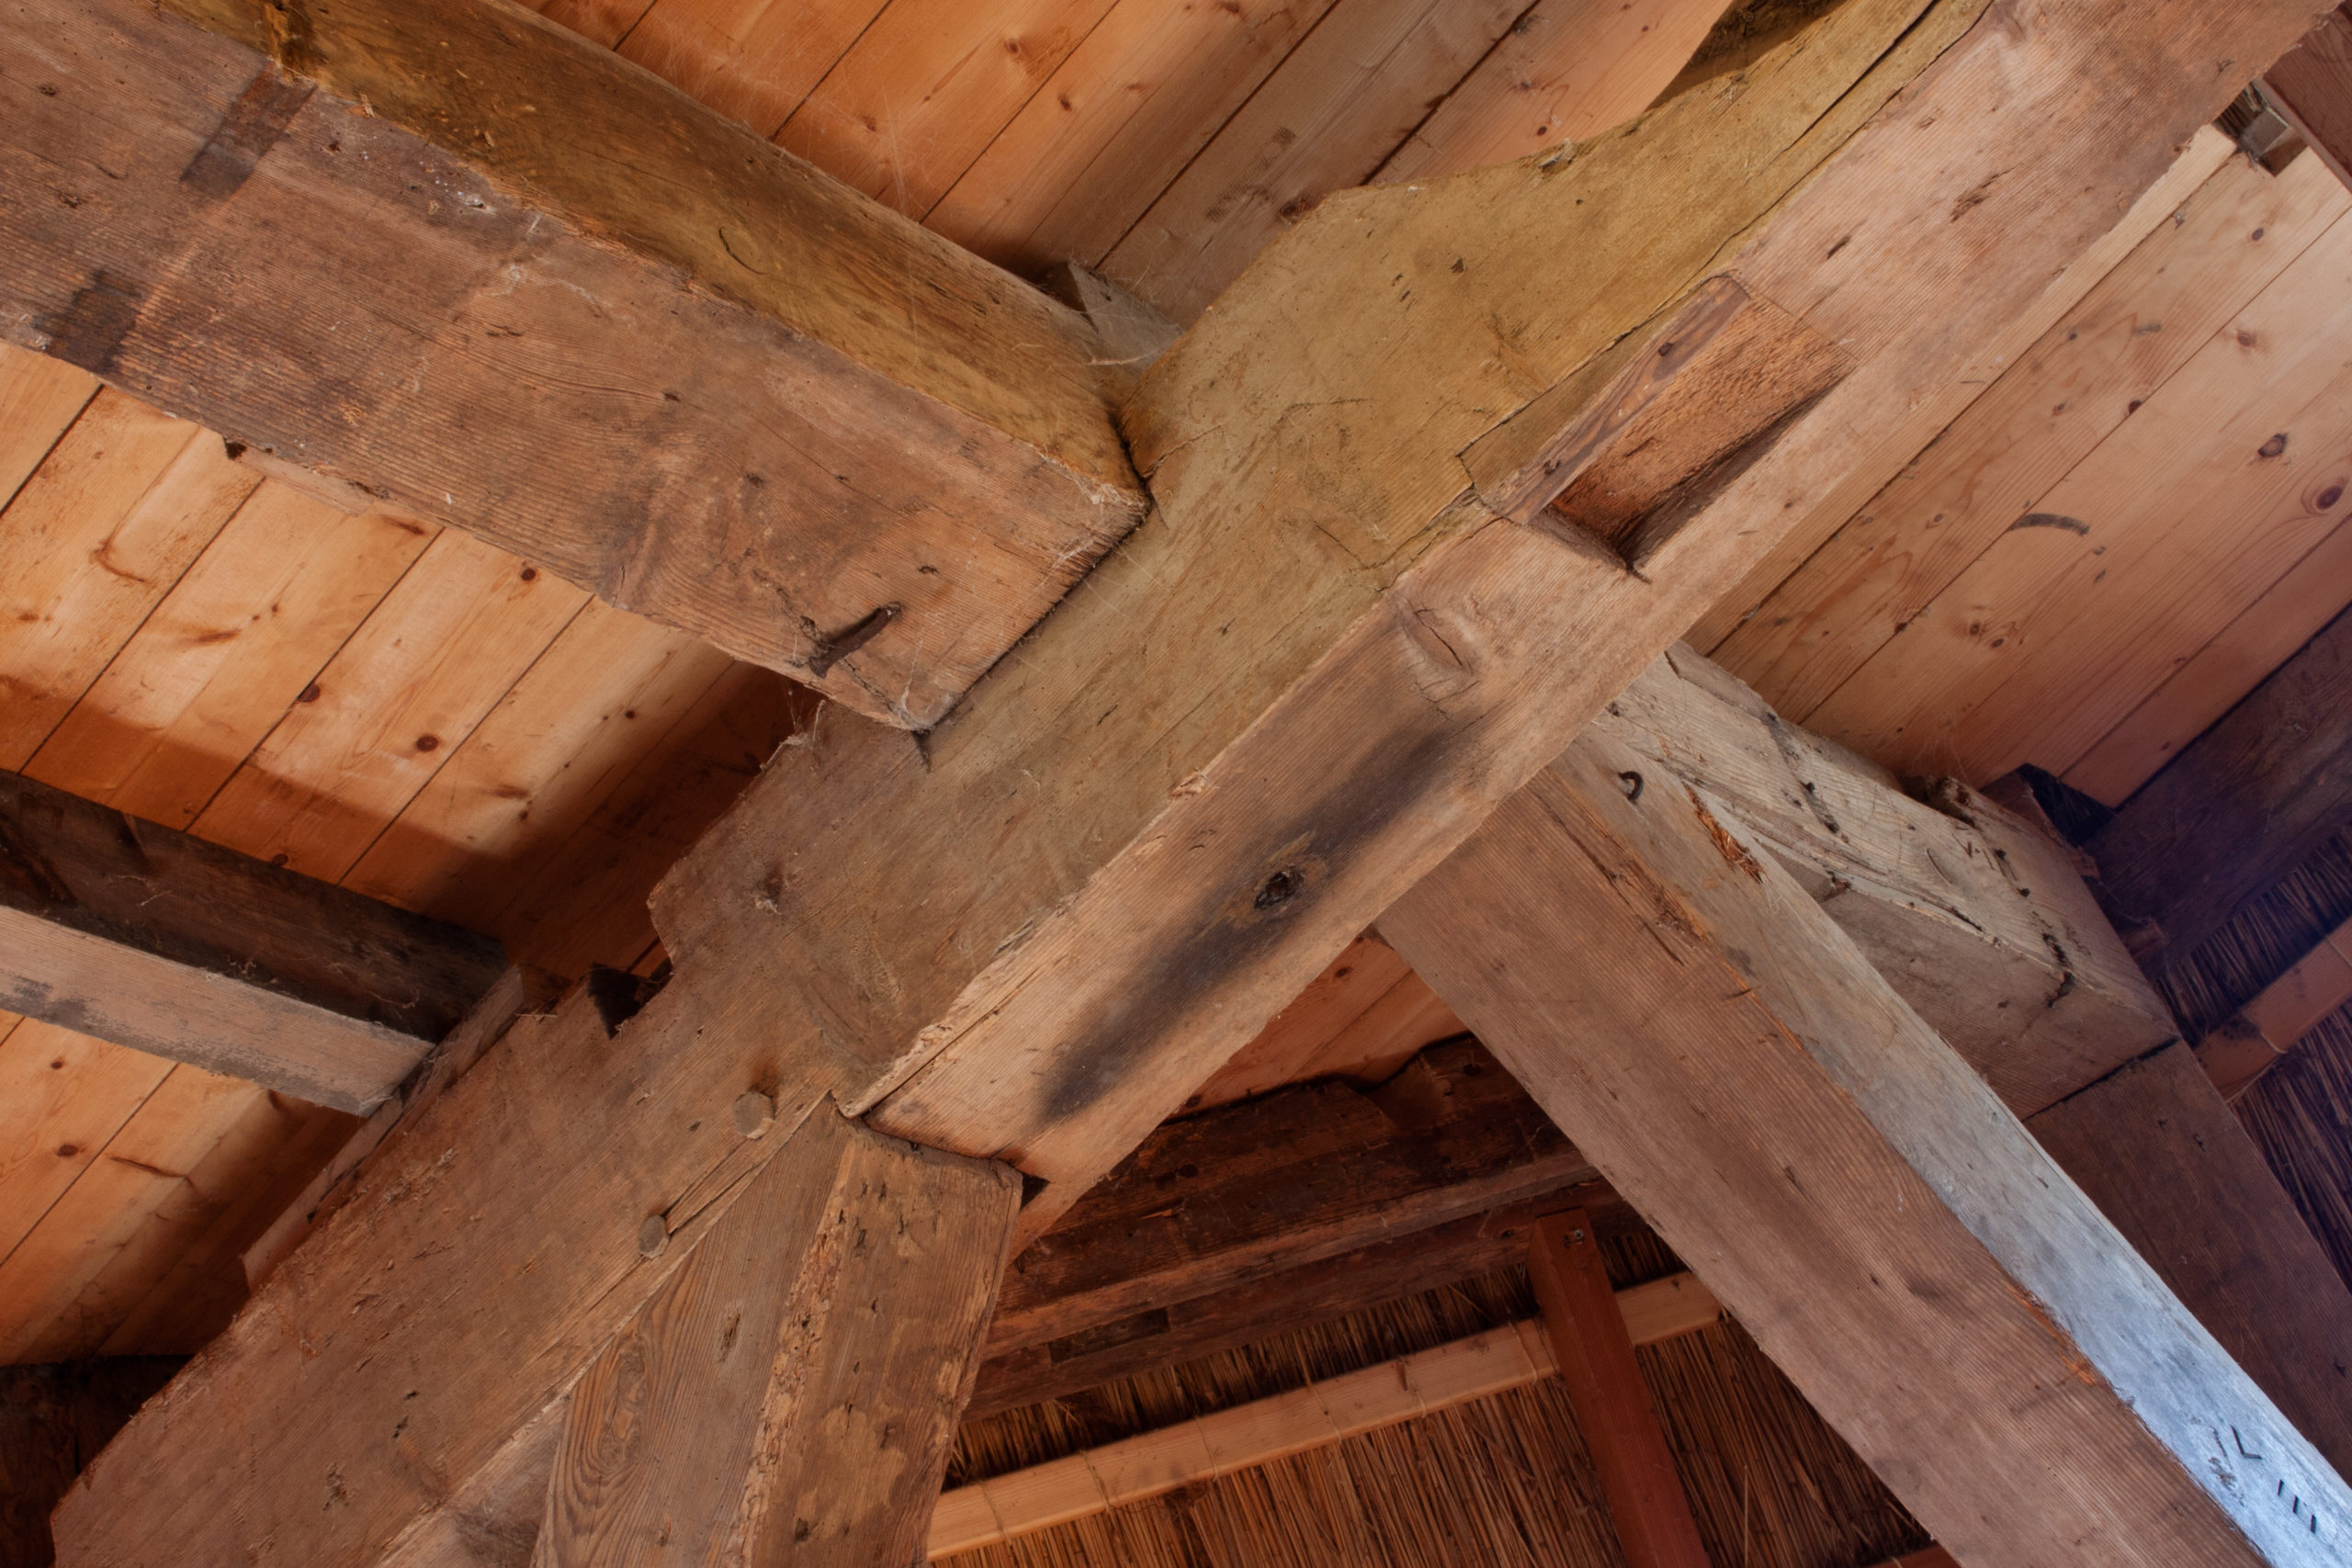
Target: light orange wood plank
{"x": 226, "y": 654}
{"x": 62, "y": 1095}
{"x": 93, "y": 539}
{"x": 39, "y": 399}
{"x": 606, "y": 21}
{"x": 1373, "y": 1047}
{"x": 1337, "y": 105}
{"x": 1902, "y": 436}
{"x": 1116, "y": 122}
{"x": 2263, "y": 636}
{"x": 554, "y": 749}
{"x": 2196, "y": 444}
{"x": 147, "y": 1165}
{"x": 753, "y": 60}
{"x": 927, "y": 86}
{"x": 1568, "y": 70}
{"x": 2131, "y": 332}
{"x": 393, "y": 704}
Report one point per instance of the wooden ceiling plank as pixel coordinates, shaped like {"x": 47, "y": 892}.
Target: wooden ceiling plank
{"x": 1390, "y": 644}
{"x": 853, "y": 419}
{"x": 2129, "y": 335}
{"x": 396, "y": 702}
{"x": 2164, "y": 1158}
{"x": 562, "y": 740}
{"x": 1905, "y": 437}
{"x": 753, "y": 60}
{"x": 731, "y": 1414}
{"x": 2237, "y": 808}
{"x": 55, "y": 1303}
{"x": 1567, "y": 70}
{"x": 161, "y": 942}
{"x": 2262, "y": 637}
{"x": 926, "y": 87}
{"x": 62, "y": 1095}
{"x": 1885, "y": 1229}
{"x": 1338, "y": 104}
{"x": 1281, "y": 1052}
{"x": 1593, "y": 1349}
{"x": 40, "y": 400}
{"x": 2054, "y": 580}
{"x": 227, "y": 653}
{"x": 1317, "y": 99}
{"x": 96, "y": 537}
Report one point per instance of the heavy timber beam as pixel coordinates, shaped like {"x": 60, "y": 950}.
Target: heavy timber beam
{"x": 1851, "y": 1190}
{"x": 1350, "y": 628}
{"x": 469, "y": 261}
{"x": 149, "y": 938}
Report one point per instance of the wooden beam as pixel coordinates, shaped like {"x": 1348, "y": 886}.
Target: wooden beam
{"x": 1979, "y": 922}
{"x": 53, "y": 1420}
{"x": 1306, "y": 676}
{"x": 2244, "y": 1048}
{"x": 791, "y": 1395}
{"x": 1235, "y": 1195}
{"x": 2169, "y": 1165}
{"x": 1850, "y": 1189}
{"x": 1324, "y": 1412}
{"x": 149, "y": 938}
{"x": 2241, "y": 806}
{"x": 2312, "y": 84}
{"x": 474, "y": 264}
{"x": 1594, "y": 1356}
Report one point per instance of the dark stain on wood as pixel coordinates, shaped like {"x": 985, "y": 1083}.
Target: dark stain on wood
{"x": 91, "y": 328}
{"x": 2052, "y": 520}
{"x": 255, "y": 123}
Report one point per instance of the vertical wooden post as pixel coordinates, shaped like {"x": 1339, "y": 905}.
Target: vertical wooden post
{"x": 790, "y": 1393}
{"x": 1612, "y": 1406}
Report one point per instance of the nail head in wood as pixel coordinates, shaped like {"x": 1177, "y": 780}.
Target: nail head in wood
{"x": 754, "y": 1113}
{"x": 653, "y": 1236}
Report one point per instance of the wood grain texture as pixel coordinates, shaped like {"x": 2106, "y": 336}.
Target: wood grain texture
{"x": 766, "y": 449}
{"x": 2154, "y": 1148}
{"x": 159, "y": 940}
{"x": 1594, "y": 1351}
{"x": 1885, "y": 1228}
{"x": 1974, "y": 918}
{"x": 2130, "y": 333}
{"x": 2238, "y": 808}
{"x": 52, "y": 1419}
{"x": 1223, "y": 1198}
{"x": 2313, "y": 82}
{"x": 791, "y": 1395}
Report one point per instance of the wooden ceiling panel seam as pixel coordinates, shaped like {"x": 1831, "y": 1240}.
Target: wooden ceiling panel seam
{"x": 81, "y": 755}
{"x": 57, "y": 393}
{"x": 2041, "y": 415}
{"x": 142, "y": 1075}
{"x": 1935, "y": 675}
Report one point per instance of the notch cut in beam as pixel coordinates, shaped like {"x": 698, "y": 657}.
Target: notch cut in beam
{"x": 151, "y": 938}
{"x": 464, "y": 259}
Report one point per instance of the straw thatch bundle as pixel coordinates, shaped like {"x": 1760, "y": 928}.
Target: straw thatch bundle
{"x": 2300, "y": 1112}
{"x": 1504, "y": 1482}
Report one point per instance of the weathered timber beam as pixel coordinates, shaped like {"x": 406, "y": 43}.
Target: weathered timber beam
{"x": 1306, "y": 676}
{"x": 2244, "y": 1048}
{"x": 1978, "y": 920}
{"x": 791, "y": 1394}
{"x": 150, "y": 938}
{"x": 1849, "y": 1187}
{"x": 2312, "y": 84}
{"x": 1243, "y": 1313}
{"x": 1256, "y": 1188}
{"x": 472, "y": 262}
{"x": 1594, "y": 1356}
{"x": 2242, "y": 806}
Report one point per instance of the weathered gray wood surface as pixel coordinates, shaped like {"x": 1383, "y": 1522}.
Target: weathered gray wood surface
{"x": 1851, "y": 1190}
{"x": 149, "y": 938}
{"x": 775, "y": 414}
